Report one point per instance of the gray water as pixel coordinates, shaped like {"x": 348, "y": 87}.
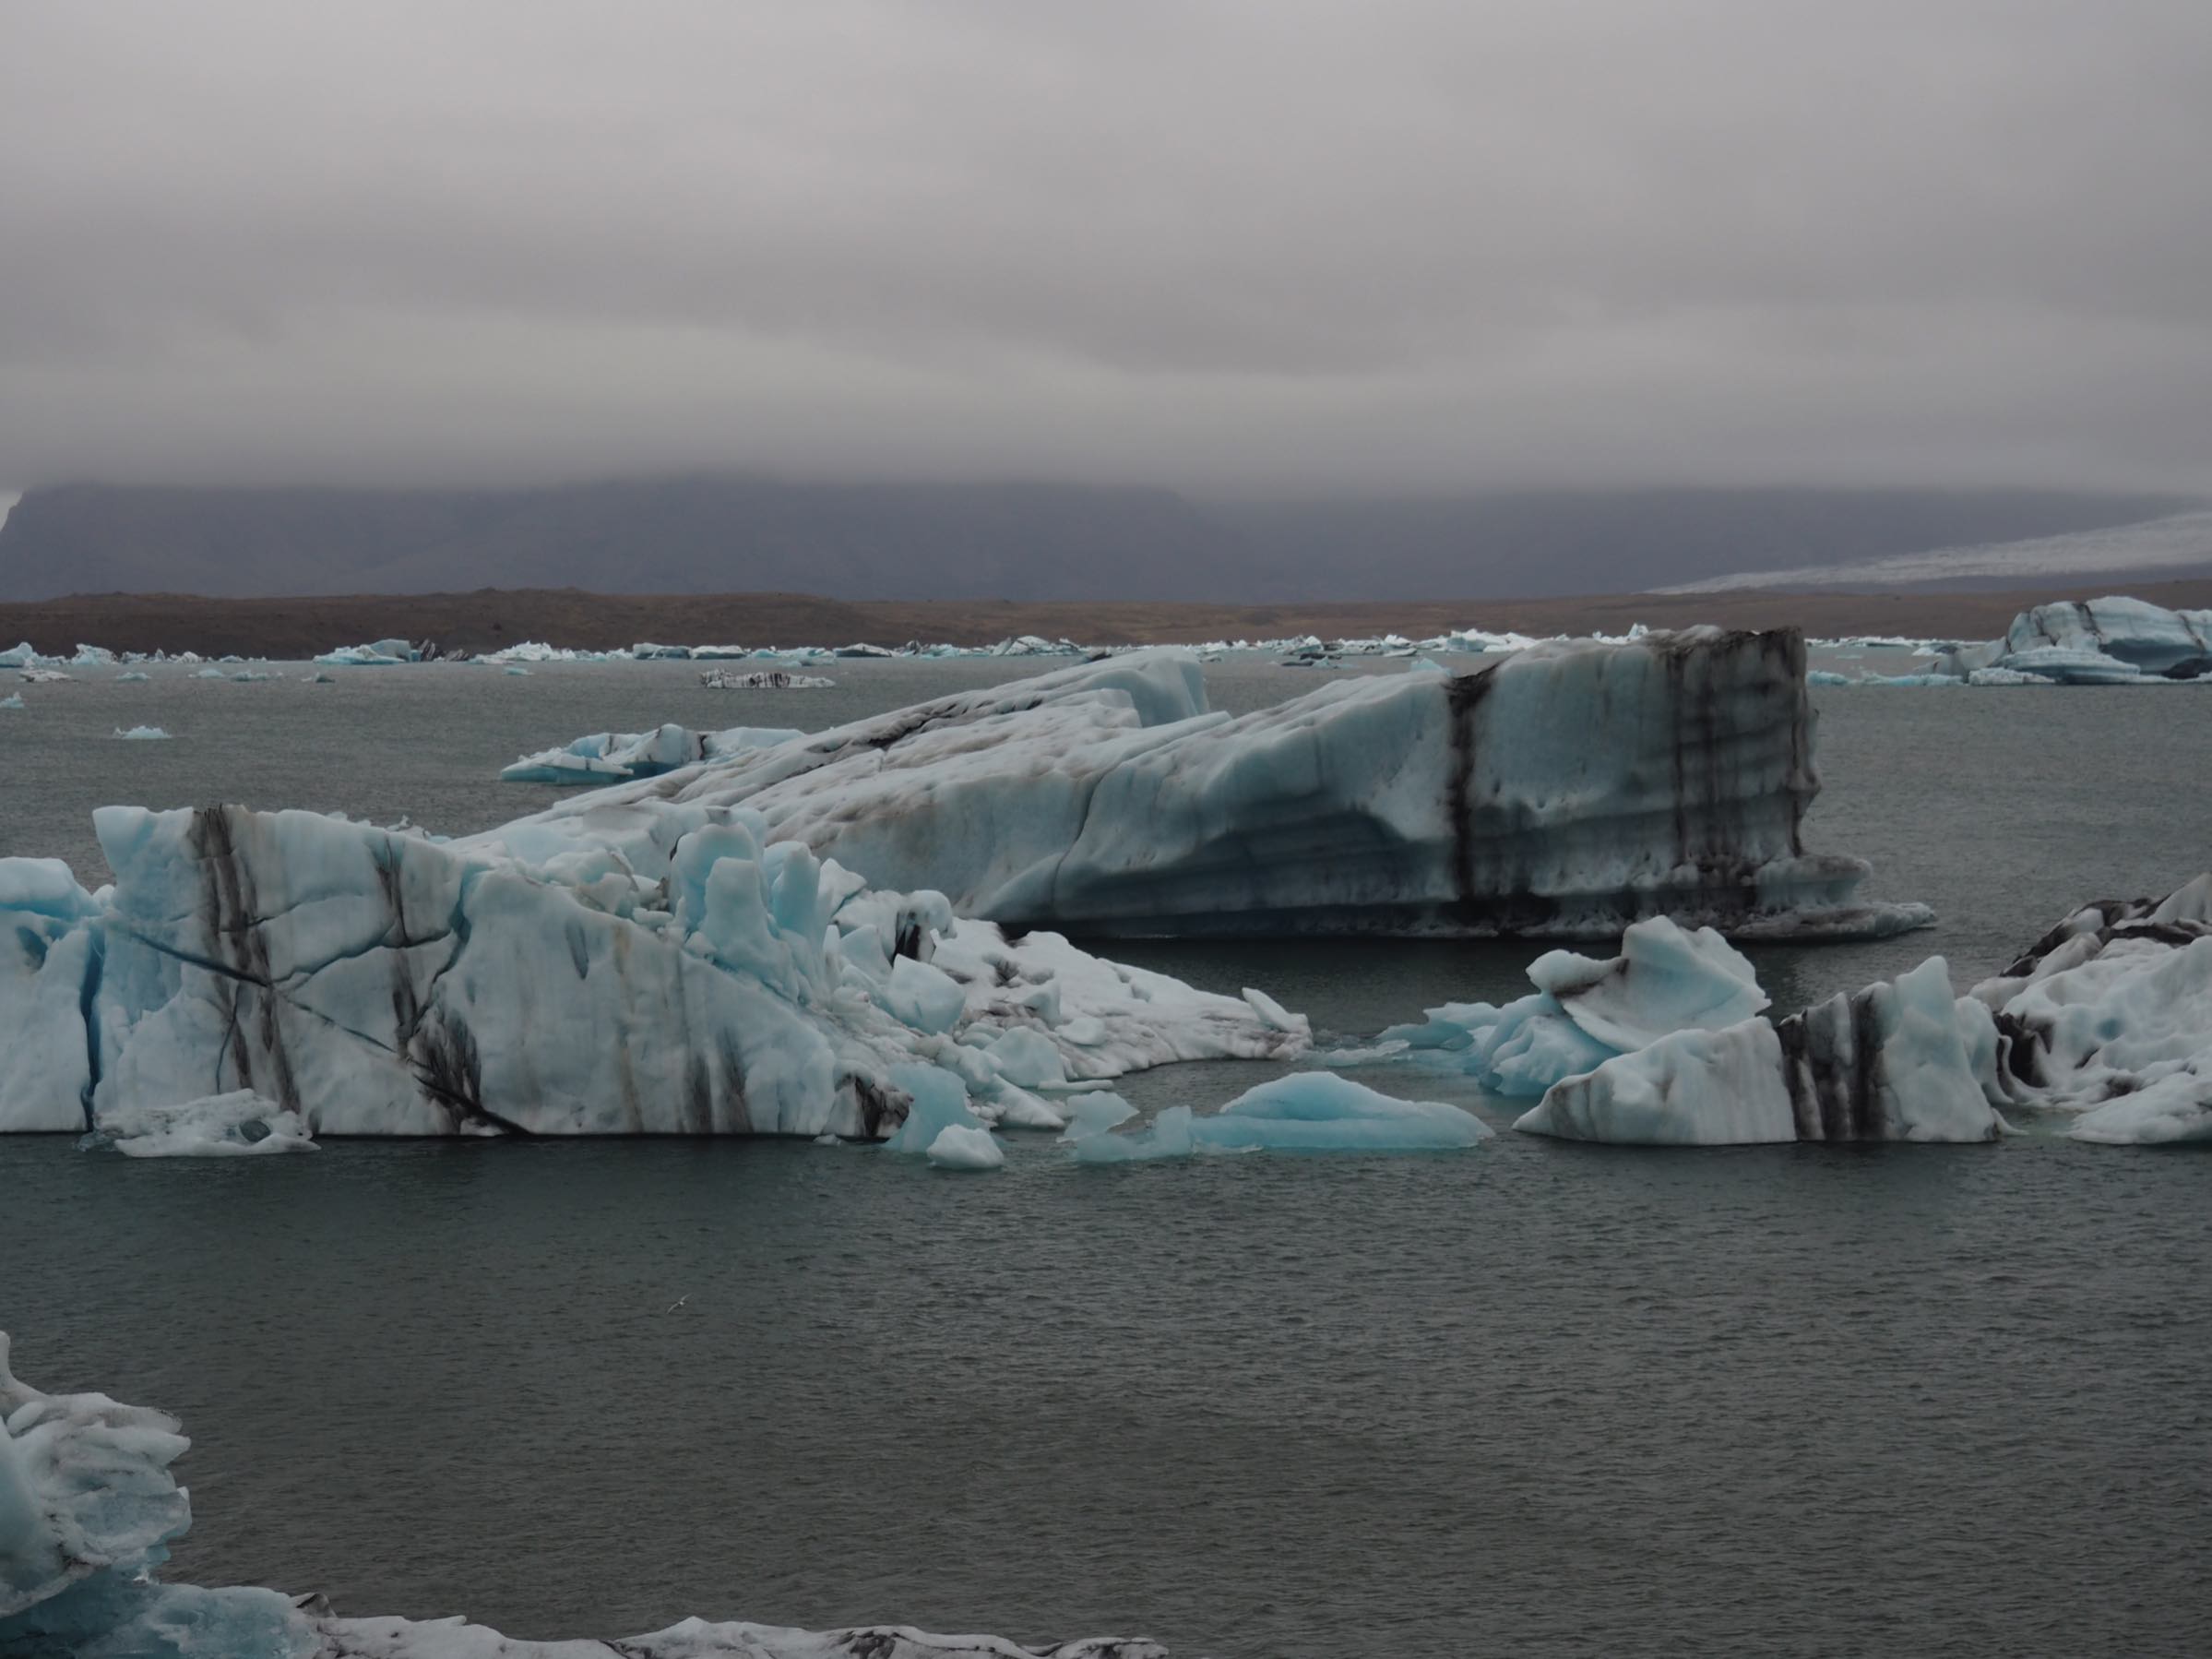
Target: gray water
{"x": 1531, "y": 1399}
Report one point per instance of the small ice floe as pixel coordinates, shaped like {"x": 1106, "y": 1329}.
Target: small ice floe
{"x": 240, "y": 1124}
{"x": 1306, "y": 1112}
{"x": 143, "y": 733}
{"x": 14, "y": 702}
{"x": 762, "y": 679}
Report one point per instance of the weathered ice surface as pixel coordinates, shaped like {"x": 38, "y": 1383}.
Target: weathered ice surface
{"x": 1567, "y": 789}
{"x": 1584, "y": 1011}
{"x": 89, "y": 1507}
{"x": 2105, "y": 641}
{"x": 1306, "y": 1112}
{"x": 2104, "y": 1025}
{"x": 374, "y": 982}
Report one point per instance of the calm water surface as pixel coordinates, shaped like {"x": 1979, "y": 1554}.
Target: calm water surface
{"x": 1531, "y": 1399}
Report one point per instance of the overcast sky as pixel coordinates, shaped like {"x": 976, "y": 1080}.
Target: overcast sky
{"x": 1225, "y": 244}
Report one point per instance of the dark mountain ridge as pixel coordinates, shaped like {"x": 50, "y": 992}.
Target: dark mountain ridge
{"x": 1018, "y": 542}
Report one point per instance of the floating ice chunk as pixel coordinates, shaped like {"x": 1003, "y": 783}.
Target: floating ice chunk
{"x": 240, "y": 1124}
{"x": 210, "y": 673}
{"x": 144, "y": 734}
{"x": 518, "y": 670}
{"x": 85, "y": 1487}
{"x": 1900, "y": 1060}
{"x": 384, "y": 653}
{"x": 615, "y": 757}
{"x": 43, "y": 676}
{"x": 958, "y": 1147}
{"x": 1586, "y": 1011}
{"x": 938, "y": 1103}
{"x": 2174, "y": 1110}
{"x": 1308, "y": 1110}
{"x": 762, "y": 679}
{"x": 14, "y": 700}
{"x": 133, "y": 674}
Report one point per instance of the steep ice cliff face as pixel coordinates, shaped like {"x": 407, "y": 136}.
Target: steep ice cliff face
{"x": 1566, "y": 790}
{"x": 89, "y": 1507}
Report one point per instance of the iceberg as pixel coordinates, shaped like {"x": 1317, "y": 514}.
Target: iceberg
{"x": 89, "y": 1507}
{"x": 1565, "y": 789}
{"x": 615, "y": 757}
{"x": 763, "y": 679}
{"x": 240, "y": 1124}
{"x": 2104, "y": 1026}
{"x": 1584, "y": 1011}
{"x": 692, "y": 978}
{"x": 1898, "y": 1060}
{"x": 14, "y": 700}
{"x": 2109, "y": 641}
{"x": 384, "y": 653}
{"x": 1306, "y": 1112}
{"x": 144, "y": 734}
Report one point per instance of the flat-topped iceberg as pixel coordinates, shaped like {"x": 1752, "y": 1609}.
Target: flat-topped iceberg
{"x": 89, "y": 1507}
{"x": 1565, "y": 789}
{"x": 615, "y": 757}
{"x": 696, "y": 981}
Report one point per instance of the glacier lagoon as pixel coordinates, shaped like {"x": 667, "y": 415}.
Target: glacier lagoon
{"x": 1524, "y": 1397}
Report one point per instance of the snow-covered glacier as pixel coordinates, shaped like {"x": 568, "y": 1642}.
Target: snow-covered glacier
{"x": 89, "y": 1505}
{"x": 693, "y": 979}
{"x": 1567, "y": 789}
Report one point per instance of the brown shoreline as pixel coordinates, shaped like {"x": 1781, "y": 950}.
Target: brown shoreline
{"x": 490, "y": 619}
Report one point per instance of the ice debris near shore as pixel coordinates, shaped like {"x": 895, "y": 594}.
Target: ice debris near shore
{"x": 237, "y": 1124}
{"x": 2103, "y": 1026}
{"x": 616, "y": 756}
{"x": 692, "y": 979}
{"x": 1306, "y": 1112}
{"x": 89, "y": 1505}
{"x": 1584, "y": 1011}
{"x": 1563, "y": 790}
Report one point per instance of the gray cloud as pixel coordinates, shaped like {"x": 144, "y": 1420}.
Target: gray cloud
{"x": 1223, "y": 244}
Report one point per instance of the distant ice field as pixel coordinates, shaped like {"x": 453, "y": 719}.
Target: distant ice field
{"x": 1522, "y": 1398}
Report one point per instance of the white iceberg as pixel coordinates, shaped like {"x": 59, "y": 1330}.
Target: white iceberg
{"x": 1900, "y": 1060}
{"x": 762, "y": 679}
{"x": 1585, "y": 1010}
{"x": 383, "y": 653}
{"x": 240, "y": 1124}
{"x": 1306, "y": 1112}
{"x": 2109, "y": 641}
{"x": 144, "y": 734}
{"x": 1565, "y": 790}
{"x": 695, "y": 980}
{"x": 14, "y": 700}
{"x": 88, "y": 1506}
{"x": 615, "y": 757}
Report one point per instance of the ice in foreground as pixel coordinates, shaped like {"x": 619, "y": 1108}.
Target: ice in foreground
{"x": 691, "y": 979}
{"x": 1306, "y": 1112}
{"x": 1567, "y": 789}
{"x": 2104, "y": 1027}
{"x": 89, "y": 1507}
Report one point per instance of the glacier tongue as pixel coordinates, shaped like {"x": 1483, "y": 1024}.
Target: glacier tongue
{"x": 88, "y": 1506}
{"x": 1567, "y": 789}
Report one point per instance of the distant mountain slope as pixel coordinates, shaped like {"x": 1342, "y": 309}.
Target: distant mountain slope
{"x": 1025, "y": 541}
{"x": 2170, "y": 547}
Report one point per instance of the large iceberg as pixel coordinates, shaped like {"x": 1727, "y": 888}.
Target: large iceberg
{"x": 2107, "y": 641}
{"x": 89, "y": 1507}
{"x": 691, "y": 979}
{"x": 1567, "y": 789}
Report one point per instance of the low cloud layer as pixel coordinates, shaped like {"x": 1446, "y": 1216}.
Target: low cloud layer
{"x": 1226, "y": 245}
